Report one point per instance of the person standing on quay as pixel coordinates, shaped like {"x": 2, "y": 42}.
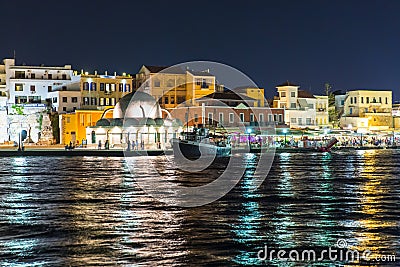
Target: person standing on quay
{"x": 99, "y": 144}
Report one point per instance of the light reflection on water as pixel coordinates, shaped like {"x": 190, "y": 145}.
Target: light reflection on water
{"x": 89, "y": 211}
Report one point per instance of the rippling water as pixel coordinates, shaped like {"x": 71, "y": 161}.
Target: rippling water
{"x": 88, "y": 211}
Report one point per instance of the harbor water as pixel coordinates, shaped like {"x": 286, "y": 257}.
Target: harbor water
{"x": 89, "y": 211}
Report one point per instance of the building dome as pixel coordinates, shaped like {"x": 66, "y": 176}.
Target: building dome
{"x": 103, "y": 122}
{"x": 137, "y": 105}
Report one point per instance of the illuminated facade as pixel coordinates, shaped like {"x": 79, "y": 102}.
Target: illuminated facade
{"x": 73, "y": 125}
{"x": 367, "y": 110}
{"x": 103, "y": 91}
{"x": 172, "y": 86}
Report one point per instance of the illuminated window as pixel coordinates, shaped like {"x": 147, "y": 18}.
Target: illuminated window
{"x": 113, "y": 87}
{"x": 86, "y": 86}
{"x": 19, "y": 87}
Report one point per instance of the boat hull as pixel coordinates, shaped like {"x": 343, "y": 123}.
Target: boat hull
{"x": 194, "y": 150}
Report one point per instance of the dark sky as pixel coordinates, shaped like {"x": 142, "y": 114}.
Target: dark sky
{"x": 350, "y": 44}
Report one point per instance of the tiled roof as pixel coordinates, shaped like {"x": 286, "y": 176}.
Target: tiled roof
{"x": 287, "y": 83}
{"x": 304, "y": 94}
{"x": 229, "y": 95}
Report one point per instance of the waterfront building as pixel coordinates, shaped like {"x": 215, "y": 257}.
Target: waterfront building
{"x": 321, "y": 108}
{"x": 172, "y": 86}
{"x": 137, "y": 122}
{"x": 31, "y": 84}
{"x": 367, "y": 110}
{"x": 66, "y": 98}
{"x": 253, "y": 92}
{"x": 73, "y": 125}
{"x": 299, "y": 106}
{"x": 103, "y": 91}
{"x": 228, "y": 111}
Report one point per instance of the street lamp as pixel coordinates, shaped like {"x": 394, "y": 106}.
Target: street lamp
{"x": 248, "y": 133}
{"x": 285, "y": 132}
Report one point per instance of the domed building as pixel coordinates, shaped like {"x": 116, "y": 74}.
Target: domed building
{"x": 137, "y": 123}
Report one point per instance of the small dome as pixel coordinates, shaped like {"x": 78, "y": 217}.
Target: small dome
{"x": 130, "y": 122}
{"x": 103, "y": 122}
{"x": 159, "y": 121}
{"x": 116, "y": 122}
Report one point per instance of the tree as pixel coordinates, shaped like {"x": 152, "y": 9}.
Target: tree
{"x": 333, "y": 114}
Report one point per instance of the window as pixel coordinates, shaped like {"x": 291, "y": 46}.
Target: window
{"x": 50, "y": 76}
{"x": 19, "y": 74}
{"x": 85, "y": 101}
{"x": 386, "y": 100}
{"x": 292, "y": 105}
{"x": 293, "y": 94}
{"x": 210, "y": 118}
{"x": 342, "y": 102}
{"x": 33, "y": 76}
{"x": 172, "y": 100}
{"x": 108, "y": 90}
{"x": 64, "y": 76}
{"x": 64, "y": 108}
{"x": 362, "y": 100}
{"x": 49, "y": 88}
{"x": 283, "y": 94}
{"x": 107, "y": 101}
{"x": 93, "y": 86}
{"x": 19, "y": 87}
{"x": 276, "y": 117}
{"x": 127, "y": 87}
{"x": 308, "y": 121}
{"x": 280, "y": 118}
{"x": 221, "y": 118}
{"x": 198, "y": 82}
{"x": 300, "y": 121}
{"x": 112, "y": 102}
{"x": 157, "y": 83}
{"x": 355, "y": 100}
{"x": 93, "y": 101}
{"x": 367, "y": 100}
{"x": 351, "y": 110}
{"x": 64, "y": 99}
{"x": 311, "y": 106}
{"x": 293, "y": 120}
{"x": 166, "y": 100}
{"x": 261, "y": 117}
{"x": 170, "y": 83}
{"x": 380, "y": 99}
{"x": 204, "y": 84}
{"x": 241, "y": 115}
{"x": 86, "y": 86}
{"x": 64, "y": 88}
{"x": 33, "y": 88}
{"x": 74, "y": 99}
{"x": 34, "y": 99}
{"x": 120, "y": 87}
{"x": 21, "y": 99}
{"x": 196, "y": 117}
{"x": 68, "y": 120}
{"x": 101, "y": 86}
{"x": 270, "y": 118}
{"x": 54, "y": 99}
{"x": 231, "y": 118}
{"x": 351, "y": 100}
{"x": 251, "y": 117}
{"x": 101, "y": 102}
{"x": 113, "y": 87}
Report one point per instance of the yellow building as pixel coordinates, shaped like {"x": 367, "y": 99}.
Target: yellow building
{"x": 373, "y": 106}
{"x": 253, "y": 92}
{"x": 172, "y": 86}
{"x": 103, "y": 91}
{"x": 73, "y": 125}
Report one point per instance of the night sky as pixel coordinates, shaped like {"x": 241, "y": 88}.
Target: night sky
{"x": 350, "y": 44}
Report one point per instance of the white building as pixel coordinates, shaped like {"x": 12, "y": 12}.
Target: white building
{"x": 322, "y": 114}
{"x": 66, "y": 98}
{"x": 32, "y": 84}
{"x": 299, "y": 105}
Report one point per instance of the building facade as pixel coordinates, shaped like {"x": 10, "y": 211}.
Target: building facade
{"x": 367, "y": 110}
{"x": 103, "y": 91}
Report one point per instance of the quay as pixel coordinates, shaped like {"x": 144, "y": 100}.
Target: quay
{"x": 49, "y": 151}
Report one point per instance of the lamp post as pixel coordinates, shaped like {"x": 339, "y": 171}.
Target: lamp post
{"x": 285, "y": 132}
{"x": 248, "y": 135}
